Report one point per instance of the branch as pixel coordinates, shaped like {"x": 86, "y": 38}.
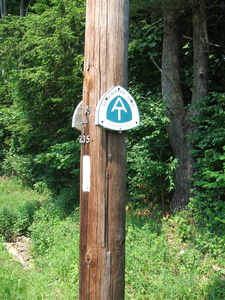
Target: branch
{"x": 190, "y": 38}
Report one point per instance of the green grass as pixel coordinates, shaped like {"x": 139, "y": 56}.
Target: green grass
{"x": 160, "y": 266}
{"x": 17, "y": 208}
{"x": 13, "y": 195}
{"x": 160, "y": 263}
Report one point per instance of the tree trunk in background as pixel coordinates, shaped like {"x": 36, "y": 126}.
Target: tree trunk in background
{"x": 200, "y": 39}
{"x": 22, "y": 8}
{"x": 171, "y": 90}
{"x": 3, "y": 8}
{"x": 180, "y": 126}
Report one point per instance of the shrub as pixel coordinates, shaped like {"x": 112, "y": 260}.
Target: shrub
{"x": 20, "y": 166}
{"x": 18, "y": 206}
{"x": 7, "y": 222}
{"x": 25, "y": 217}
{"x": 150, "y": 166}
{"x": 209, "y": 180}
{"x": 13, "y": 223}
{"x": 44, "y": 227}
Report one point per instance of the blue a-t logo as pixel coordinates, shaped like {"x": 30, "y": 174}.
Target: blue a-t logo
{"x": 119, "y": 110}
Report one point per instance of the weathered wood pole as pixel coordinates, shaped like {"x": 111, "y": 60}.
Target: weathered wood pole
{"x": 103, "y": 155}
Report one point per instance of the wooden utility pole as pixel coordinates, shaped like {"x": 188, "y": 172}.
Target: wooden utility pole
{"x": 103, "y": 155}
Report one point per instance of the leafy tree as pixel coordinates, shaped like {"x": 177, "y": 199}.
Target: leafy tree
{"x": 12, "y": 30}
{"x": 209, "y": 142}
{"x": 150, "y": 166}
{"x": 209, "y": 181}
{"x": 44, "y": 87}
{"x": 191, "y": 63}
{"x": 41, "y": 84}
{"x": 145, "y": 53}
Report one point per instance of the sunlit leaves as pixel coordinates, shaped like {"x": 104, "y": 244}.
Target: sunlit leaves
{"x": 209, "y": 180}
{"x": 42, "y": 83}
{"x": 149, "y": 161}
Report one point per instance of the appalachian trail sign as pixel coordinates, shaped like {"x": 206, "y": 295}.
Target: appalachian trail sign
{"x": 117, "y": 110}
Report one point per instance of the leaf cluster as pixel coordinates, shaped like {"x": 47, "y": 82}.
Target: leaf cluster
{"x": 145, "y": 53}
{"x": 150, "y": 166}
{"x": 209, "y": 179}
{"x": 161, "y": 261}
{"x": 40, "y": 88}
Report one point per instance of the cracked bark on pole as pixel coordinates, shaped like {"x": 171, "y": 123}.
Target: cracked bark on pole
{"x": 102, "y": 203}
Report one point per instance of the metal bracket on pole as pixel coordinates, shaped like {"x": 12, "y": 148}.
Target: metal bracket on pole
{"x": 84, "y": 121}
{"x": 87, "y": 110}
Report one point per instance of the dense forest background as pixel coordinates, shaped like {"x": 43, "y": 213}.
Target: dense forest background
{"x": 42, "y": 45}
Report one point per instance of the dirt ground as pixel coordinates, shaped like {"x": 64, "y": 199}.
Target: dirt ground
{"x": 19, "y": 248}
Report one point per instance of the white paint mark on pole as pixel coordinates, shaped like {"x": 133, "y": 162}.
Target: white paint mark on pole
{"x": 86, "y": 173}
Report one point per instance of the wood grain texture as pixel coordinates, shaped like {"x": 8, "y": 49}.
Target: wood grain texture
{"x": 102, "y": 210}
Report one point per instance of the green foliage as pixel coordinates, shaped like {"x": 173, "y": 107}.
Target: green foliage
{"x": 184, "y": 225}
{"x": 20, "y": 166}
{"x": 7, "y": 221}
{"x": 162, "y": 266}
{"x": 47, "y": 229}
{"x": 53, "y": 272}
{"x": 140, "y": 6}
{"x": 11, "y": 32}
{"x": 25, "y": 217}
{"x": 208, "y": 201}
{"x": 145, "y": 52}
{"x": 209, "y": 144}
{"x": 22, "y": 209}
{"x": 17, "y": 209}
{"x": 59, "y": 156}
{"x": 12, "y": 277}
{"x": 150, "y": 166}
{"x": 42, "y": 84}
{"x": 217, "y": 38}
{"x": 46, "y": 221}
{"x": 161, "y": 263}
